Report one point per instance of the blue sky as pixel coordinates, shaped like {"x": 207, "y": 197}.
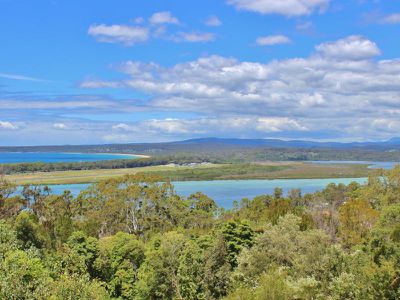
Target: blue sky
{"x": 84, "y": 72}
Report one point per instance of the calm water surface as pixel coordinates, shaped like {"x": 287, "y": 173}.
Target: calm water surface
{"x": 224, "y": 192}
{"x": 55, "y": 157}
{"x": 387, "y": 165}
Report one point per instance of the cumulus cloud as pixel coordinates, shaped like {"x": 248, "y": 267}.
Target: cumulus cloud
{"x": 122, "y": 34}
{"x": 272, "y": 40}
{"x": 279, "y": 124}
{"x": 156, "y": 28}
{"x": 353, "y": 48}
{"x": 223, "y": 125}
{"x": 288, "y": 8}
{"x": 8, "y": 125}
{"x": 122, "y": 127}
{"x": 163, "y": 17}
{"x": 338, "y": 89}
{"x": 59, "y": 126}
{"x": 173, "y": 126}
{"x": 213, "y": 21}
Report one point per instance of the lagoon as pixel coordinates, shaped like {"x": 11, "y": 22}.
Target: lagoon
{"x": 57, "y": 157}
{"x": 225, "y": 192}
{"x": 387, "y": 165}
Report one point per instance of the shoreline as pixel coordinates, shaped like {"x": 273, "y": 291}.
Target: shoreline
{"x": 119, "y": 154}
{"x": 212, "y": 180}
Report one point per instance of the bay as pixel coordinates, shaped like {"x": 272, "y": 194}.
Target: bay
{"x": 57, "y": 157}
{"x": 387, "y": 165}
{"x": 225, "y": 192}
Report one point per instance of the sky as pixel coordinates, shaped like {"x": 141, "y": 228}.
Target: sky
{"x": 130, "y": 71}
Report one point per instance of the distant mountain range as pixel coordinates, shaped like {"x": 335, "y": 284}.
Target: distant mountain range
{"x": 212, "y": 143}
{"x": 277, "y": 143}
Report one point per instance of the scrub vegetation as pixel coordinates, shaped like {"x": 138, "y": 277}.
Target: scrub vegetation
{"x": 133, "y": 237}
{"x": 195, "y": 172}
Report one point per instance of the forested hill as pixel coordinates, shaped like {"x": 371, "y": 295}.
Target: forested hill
{"x": 211, "y": 144}
{"x": 393, "y": 143}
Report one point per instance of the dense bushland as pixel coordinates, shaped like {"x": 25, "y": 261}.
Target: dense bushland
{"x": 135, "y": 238}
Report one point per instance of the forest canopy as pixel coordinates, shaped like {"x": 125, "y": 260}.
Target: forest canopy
{"x": 134, "y": 238}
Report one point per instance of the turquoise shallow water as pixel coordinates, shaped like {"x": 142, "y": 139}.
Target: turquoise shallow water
{"x": 54, "y": 157}
{"x": 224, "y": 192}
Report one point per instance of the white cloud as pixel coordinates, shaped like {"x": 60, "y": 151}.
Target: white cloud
{"x": 338, "y": 89}
{"x": 99, "y": 84}
{"x": 279, "y": 124}
{"x": 156, "y": 29}
{"x": 122, "y": 34}
{"x": 283, "y": 7}
{"x": 213, "y": 21}
{"x": 312, "y": 100}
{"x": 172, "y": 126}
{"x": 122, "y": 127}
{"x": 272, "y": 40}
{"x": 163, "y": 17}
{"x": 351, "y": 48}
{"x": 194, "y": 37}
{"x": 59, "y": 126}
{"x": 8, "y": 125}
{"x": 391, "y": 19}
{"x": 223, "y": 125}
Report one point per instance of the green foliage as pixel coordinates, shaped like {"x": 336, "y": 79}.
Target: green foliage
{"x": 356, "y": 220}
{"x": 118, "y": 262}
{"x": 159, "y": 273}
{"x": 86, "y": 248}
{"x": 23, "y": 277}
{"x": 10, "y": 205}
{"x": 236, "y": 235}
{"x": 271, "y": 286}
{"x": 134, "y": 238}
{"x": 8, "y": 239}
{"x": 385, "y": 242}
{"x": 284, "y": 245}
{"x": 29, "y": 231}
{"x": 136, "y": 204}
{"x": 72, "y": 287}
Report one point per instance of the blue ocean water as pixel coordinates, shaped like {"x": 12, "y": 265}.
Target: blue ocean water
{"x": 387, "y": 165}
{"x": 224, "y": 192}
{"x": 54, "y": 157}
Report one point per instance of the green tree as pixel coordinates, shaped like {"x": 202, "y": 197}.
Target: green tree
{"x": 86, "y": 248}
{"x": 136, "y": 204}
{"x": 202, "y": 212}
{"x": 8, "y": 239}
{"x": 237, "y": 235}
{"x": 10, "y": 205}
{"x": 29, "y": 231}
{"x": 284, "y": 245}
{"x": 120, "y": 257}
{"x": 23, "y": 277}
{"x": 74, "y": 286}
{"x": 356, "y": 220}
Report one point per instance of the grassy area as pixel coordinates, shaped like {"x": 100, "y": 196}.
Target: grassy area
{"x": 271, "y": 170}
{"x": 267, "y": 171}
